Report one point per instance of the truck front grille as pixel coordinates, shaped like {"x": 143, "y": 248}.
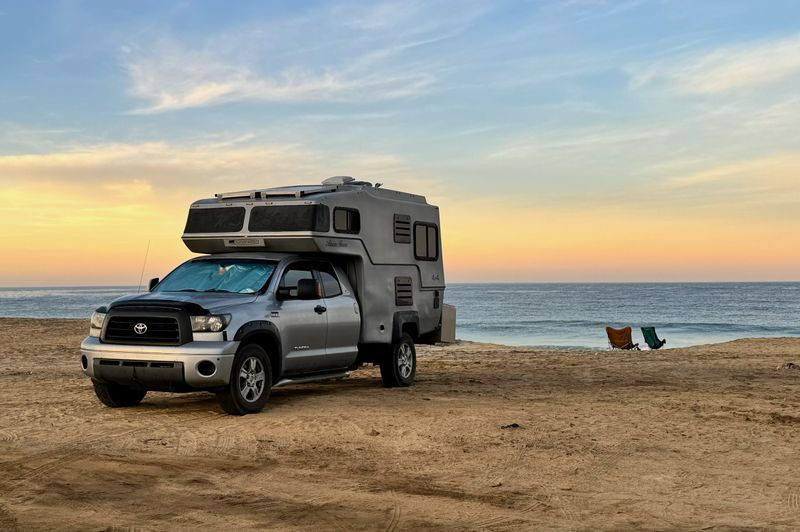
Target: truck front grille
{"x": 143, "y": 330}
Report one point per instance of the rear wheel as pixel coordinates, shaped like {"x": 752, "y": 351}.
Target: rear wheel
{"x": 400, "y": 366}
{"x": 118, "y": 396}
{"x": 250, "y": 383}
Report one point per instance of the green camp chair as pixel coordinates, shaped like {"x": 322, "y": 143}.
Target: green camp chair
{"x": 651, "y": 338}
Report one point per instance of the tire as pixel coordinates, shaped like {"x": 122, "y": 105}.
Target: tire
{"x": 117, "y": 396}
{"x": 400, "y": 366}
{"x": 250, "y": 384}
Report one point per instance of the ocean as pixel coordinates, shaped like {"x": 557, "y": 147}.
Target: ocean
{"x": 564, "y": 315}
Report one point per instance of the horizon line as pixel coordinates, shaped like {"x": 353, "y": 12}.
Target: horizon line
{"x": 456, "y": 283}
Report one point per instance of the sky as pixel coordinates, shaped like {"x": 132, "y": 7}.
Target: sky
{"x": 573, "y": 140}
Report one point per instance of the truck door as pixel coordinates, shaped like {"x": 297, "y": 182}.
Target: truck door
{"x": 304, "y": 323}
{"x": 344, "y": 321}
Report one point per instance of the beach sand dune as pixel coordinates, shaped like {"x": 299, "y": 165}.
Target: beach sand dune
{"x": 491, "y": 437}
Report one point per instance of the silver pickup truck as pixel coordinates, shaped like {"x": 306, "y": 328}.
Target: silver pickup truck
{"x": 295, "y": 284}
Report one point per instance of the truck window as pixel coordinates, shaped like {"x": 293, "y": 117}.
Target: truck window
{"x": 234, "y": 276}
{"x": 346, "y": 220}
{"x": 292, "y": 276}
{"x": 330, "y": 284}
{"x": 426, "y": 241}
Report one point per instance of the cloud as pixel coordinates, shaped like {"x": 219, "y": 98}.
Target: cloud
{"x": 775, "y": 173}
{"x": 725, "y": 69}
{"x": 170, "y": 76}
{"x": 336, "y": 54}
{"x": 162, "y": 171}
{"x": 589, "y": 139}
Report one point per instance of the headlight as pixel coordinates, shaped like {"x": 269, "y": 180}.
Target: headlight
{"x": 210, "y": 323}
{"x": 97, "y": 320}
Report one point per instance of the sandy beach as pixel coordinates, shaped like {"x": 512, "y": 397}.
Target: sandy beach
{"x": 490, "y": 438}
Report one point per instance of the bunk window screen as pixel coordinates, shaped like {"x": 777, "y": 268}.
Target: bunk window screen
{"x": 215, "y": 220}
{"x": 289, "y": 218}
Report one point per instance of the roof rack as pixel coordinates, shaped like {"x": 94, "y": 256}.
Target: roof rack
{"x": 297, "y": 191}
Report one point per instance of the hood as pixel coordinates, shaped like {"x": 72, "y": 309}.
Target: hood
{"x": 213, "y": 302}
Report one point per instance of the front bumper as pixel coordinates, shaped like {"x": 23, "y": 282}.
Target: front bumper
{"x": 159, "y": 367}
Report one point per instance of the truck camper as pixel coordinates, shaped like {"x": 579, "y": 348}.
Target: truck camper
{"x": 293, "y": 284}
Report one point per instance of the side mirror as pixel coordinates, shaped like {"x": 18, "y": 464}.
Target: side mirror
{"x": 152, "y": 284}
{"x": 308, "y": 289}
{"x": 283, "y": 292}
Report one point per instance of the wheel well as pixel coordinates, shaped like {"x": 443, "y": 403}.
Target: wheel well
{"x": 270, "y": 344}
{"x": 410, "y": 329}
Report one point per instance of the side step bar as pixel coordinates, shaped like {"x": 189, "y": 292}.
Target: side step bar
{"x": 313, "y": 378}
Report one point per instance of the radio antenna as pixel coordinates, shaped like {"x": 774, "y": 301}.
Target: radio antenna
{"x": 144, "y": 264}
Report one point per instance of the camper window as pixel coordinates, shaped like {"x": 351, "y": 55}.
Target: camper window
{"x": 289, "y": 218}
{"x": 346, "y": 220}
{"x": 215, "y": 220}
{"x": 426, "y": 241}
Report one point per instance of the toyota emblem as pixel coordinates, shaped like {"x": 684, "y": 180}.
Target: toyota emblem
{"x": 140, "y": 328}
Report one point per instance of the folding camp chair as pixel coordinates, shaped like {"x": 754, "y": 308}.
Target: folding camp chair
{"x": 621, "y": 338}
{"x": 652, "y": 338}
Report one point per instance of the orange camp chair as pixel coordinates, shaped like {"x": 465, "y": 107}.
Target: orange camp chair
{"x": 621, "y": 338}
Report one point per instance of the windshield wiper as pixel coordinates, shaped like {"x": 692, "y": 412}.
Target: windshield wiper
{"x": 218, "y": 290}
{"x": 186, "y": 290}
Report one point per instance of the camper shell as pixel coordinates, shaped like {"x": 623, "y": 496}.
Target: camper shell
{"x": 388, "y": 243}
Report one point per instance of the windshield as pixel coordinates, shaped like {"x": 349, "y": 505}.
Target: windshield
{"x": 233, "y": 276}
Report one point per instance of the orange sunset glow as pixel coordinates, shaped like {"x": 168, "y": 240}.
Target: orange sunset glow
{"x": 70, "y": 219}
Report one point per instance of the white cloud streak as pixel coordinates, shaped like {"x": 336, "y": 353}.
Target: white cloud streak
{"x": 329, "y": 55}
{"x": 724, "y": 69}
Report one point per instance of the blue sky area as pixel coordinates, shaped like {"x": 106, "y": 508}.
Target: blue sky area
{"x": 691, "y": 106}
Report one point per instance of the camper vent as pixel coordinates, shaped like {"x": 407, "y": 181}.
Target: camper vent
{"x": 403, "y": 292}
{"x": 402, "y": 228}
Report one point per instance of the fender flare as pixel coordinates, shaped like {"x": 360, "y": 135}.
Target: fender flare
{"x": 260, "y": 327}
{"x": 402, "y": 318}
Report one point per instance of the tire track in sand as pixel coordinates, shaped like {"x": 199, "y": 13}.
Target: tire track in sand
{"x": 74, "y": 449}
{"x": 396, "y": 518}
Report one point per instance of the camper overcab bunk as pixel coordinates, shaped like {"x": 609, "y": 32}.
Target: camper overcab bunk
{"x": 294, "y": 284}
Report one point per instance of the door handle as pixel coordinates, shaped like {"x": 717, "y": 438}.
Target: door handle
{"x": 319, "y": 309}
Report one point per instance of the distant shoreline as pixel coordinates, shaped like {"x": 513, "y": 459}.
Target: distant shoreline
{"x": 460, "y": 283}
{"x": 478, "y": 343}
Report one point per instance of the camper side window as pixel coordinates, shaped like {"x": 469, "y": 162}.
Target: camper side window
{"x": 426, "y": 241}
{"x": 346, "y": 220}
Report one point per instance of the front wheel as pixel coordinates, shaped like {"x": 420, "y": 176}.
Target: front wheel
{"x": 400, "y": 366}
{"x": 250, "y": 383}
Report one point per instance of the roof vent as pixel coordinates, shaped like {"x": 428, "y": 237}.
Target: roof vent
{"x": 338, "y": 180}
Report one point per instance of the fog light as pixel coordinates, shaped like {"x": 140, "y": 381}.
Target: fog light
{"x": 84, "y": 362}
{"x": 206, "y": 368}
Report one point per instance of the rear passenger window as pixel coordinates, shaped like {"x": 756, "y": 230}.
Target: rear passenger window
{"x": 346, "y": 220}
{"x": 330, "y": 285}
{"x": 426, "y": 241}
